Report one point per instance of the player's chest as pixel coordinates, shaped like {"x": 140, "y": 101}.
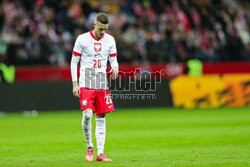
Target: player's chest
{"x": 96, "y": 48}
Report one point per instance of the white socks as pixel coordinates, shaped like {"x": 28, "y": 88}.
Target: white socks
{"x": 100, "y": 130}
{"x": 100, "y": 133}
{"x": 87, "y": 126}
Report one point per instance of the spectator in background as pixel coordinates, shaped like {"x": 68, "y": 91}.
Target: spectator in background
{"x": 43, "y": 31}
{"x": 247, "y": 52}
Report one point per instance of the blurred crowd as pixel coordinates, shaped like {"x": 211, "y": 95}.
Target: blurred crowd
{"x": 44, "y": 31}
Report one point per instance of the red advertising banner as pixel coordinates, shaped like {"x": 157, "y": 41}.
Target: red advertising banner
{"x": 169, "y": 70}
{"x": 226, "y": 68}
{"x": 52, "y": 73}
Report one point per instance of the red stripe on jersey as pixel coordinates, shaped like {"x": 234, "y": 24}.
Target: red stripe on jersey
{"x": 112, "y": 55}
{"x": 91, "y": 33}
{"x": 75, "y": 53}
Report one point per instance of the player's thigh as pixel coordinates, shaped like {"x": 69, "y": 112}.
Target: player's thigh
{"x": 104, "y": 102}
{"x": 87, "y": 99}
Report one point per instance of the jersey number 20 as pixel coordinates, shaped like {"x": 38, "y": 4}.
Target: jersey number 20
{"x": 97, "y": 64}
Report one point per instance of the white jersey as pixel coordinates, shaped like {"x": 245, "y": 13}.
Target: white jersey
{"x": 94, "y": 54}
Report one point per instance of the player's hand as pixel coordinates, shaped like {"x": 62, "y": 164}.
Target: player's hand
{"x": 114, "y": 72}
{"x": 76, "y": 91}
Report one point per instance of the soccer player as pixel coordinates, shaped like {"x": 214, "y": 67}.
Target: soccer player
{"x": 93, "y": 49}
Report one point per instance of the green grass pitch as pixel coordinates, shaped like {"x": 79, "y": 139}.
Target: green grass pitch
{"x": 135, "y": 137}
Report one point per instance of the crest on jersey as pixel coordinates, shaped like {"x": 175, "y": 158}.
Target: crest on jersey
{"x": 84, "y": 102}
{"x": 98, "y": 47}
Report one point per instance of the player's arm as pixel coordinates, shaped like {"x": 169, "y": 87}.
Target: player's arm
{"x": 73, "y": 65}
{"x": 76, "y": 55}
{"x": 114, "y": 67}
{"x": 113, "y": 61}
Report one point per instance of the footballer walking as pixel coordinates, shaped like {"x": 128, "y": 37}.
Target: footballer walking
{"x": 93, "y": 50}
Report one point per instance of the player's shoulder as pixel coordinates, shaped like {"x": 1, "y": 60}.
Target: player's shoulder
{"x": 84, "y": 35}
{"x": 109, "y": 37}
{"x": 82, "y": 38}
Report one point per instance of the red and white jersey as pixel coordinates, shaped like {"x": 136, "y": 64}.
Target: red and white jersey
{"x": 94, "y": 54}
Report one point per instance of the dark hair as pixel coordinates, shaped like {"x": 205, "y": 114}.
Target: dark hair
{"x": 102, "y": 18}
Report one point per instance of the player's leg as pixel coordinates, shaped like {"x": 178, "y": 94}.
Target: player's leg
{"x": 87, "y": 131}
{"x": 87, "y": 126}
{"x": 104, "y": 104}
{"x": 87, "y": 97}
{"x": 100, "y": 133}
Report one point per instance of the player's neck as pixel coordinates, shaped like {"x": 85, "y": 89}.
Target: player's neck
{"x": 95, "y": 35}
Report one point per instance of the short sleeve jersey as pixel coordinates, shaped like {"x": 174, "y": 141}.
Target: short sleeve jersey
{"x": 94, "y": 54}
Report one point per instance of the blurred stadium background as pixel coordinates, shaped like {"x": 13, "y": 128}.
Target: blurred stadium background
{"x": 198, "y": 50}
